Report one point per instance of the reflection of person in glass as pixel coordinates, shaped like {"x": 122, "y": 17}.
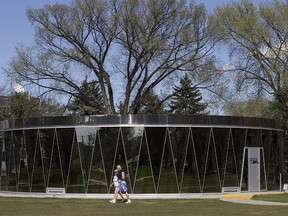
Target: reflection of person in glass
{"x": 122, "y": 187}
{"x": 116, "y": 185}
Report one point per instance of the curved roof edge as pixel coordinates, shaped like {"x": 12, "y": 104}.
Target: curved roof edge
{"x": 133, "y": 120}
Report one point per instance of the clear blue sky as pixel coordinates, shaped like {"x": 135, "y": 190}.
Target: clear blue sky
{"x": 16, "y": 29}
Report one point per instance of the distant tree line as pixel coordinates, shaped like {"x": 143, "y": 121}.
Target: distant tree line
{"x": 23, "y": 105}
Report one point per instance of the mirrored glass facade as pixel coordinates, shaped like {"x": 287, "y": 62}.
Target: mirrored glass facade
{"x": 160, "y": 153}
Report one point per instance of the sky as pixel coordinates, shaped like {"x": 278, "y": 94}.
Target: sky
{"x": 15, "y": 29}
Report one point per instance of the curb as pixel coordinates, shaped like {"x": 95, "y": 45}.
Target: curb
{"x": 246, "y": 195}
{"x": 237, "y": 196}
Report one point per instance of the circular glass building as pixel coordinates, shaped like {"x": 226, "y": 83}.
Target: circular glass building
{"x": 160, "y": 153}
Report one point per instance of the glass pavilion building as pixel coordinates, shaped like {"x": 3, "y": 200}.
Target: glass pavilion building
{"x": 160, "y": 153}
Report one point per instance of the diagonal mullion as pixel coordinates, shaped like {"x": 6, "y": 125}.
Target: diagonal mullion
{"x": 81, "y": 162}
{"x": 161, "y": 163}
{"x": 26, "y": 157}
{"x": 216, "y": 158}
{"x": 100, "y": 145}
{"x": 234, "y": 157}
{"x": 149, "y": 156}
{"x": 70, "y": 159}
{"x": 125, "y": 156}
{"x": 173, "y": 159}
{"x": 91, "y": 160}
{"x": 207, "y": 155}
{"x": 51, "y": 158}
{"x": 185, "y": 158}
{"x": 196, "y": 161}
{"x": 137, "y": 166}
{"x": 42, "y": 162}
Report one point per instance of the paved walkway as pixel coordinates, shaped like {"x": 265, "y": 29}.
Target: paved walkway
{"x": 253, "y": 202}
{"x": 245, "y": 198}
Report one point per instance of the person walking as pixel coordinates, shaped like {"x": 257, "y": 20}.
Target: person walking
{"x": 116, "y": 185}
{"x": 122, "y": 188}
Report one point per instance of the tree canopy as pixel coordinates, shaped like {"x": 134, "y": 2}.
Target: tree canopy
{"x": 253, "y": 107}
{"x": 129, "y": 47}
{"x": 23, "y": 105}
{"x": 257, "y": 36}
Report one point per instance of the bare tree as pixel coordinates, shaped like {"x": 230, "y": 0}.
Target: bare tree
{"x": 3, "y": 90}
{"x": 128, "y": 46}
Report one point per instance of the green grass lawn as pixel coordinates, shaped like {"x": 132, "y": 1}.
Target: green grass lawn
{"x": 158, "y": 207}
{"x": 272, "y": 197}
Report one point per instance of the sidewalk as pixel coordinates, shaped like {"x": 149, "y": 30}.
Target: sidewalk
{"x": 245, "y": 198}
{"x": 253, "y": 202}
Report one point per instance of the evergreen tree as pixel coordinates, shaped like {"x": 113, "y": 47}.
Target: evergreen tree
{"x": 151, "y": 104}
{"x": 22, "y": 105}
{"x": 186, "y": 98}
{"x": 89, "y": 101}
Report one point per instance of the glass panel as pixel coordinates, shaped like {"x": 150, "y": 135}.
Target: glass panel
{"x": 97, "y": 179}
{"x": 179, "y": 142}
{"x": 3, "y": 162}
{"x": 86, "y": 142}
{"x": 191, "y": 181}
{"x": 221, "y": 138}
{"x": 226, "y": 157}
{"x": 267, "y": 138}
{"x": 10, "y": 162}
{"x": 30, "y": 141}
{"x": 201, "y": 141}
{"x": 155, "y": 141}
{"x": 212, "y": 177}
{"x": 245, "y": 173}
{"x": 46, "y": 140}
{"x": 18, "y": 143}
{"x": 55, "y": 178}
{"x": 120, "y": 159}
{"x": 144, "y": 179}
{"x": 37, "y": 177}
{"x": 65, "y": 141}
{"x": 75, "y": 180}
{"x": 231, "y": 178}
{"x": 253, "y": 138}
{"x": 168, "y": 180}
{"x": 108, "y": 140}
{"x": 21, "y": 162}
{"x": 275, "y": 157}
{"x": 132, "y": 138}
{"x": 239, "y": 140}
